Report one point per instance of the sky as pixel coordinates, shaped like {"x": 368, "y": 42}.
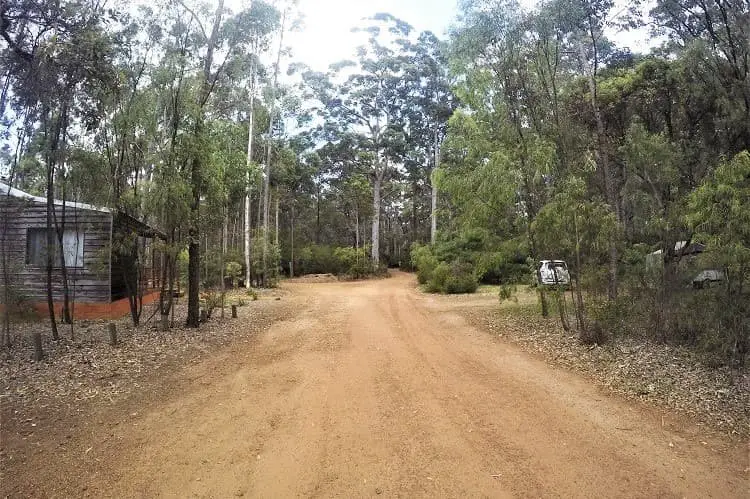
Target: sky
{"x": 327, "y": 38}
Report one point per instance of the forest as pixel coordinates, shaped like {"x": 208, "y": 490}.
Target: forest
{"x": 518, "y": 136}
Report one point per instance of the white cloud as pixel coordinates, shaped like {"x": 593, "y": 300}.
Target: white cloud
{"x": 327, "y": 37}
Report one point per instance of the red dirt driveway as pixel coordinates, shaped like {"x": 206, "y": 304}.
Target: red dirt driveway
{"x": 372, "y": 388}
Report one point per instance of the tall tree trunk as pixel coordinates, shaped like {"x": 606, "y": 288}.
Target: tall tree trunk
{"x": 269, "y": 148}
{"x": 578, "y": 303}
{"x": 223, "y": 253}
{"x": 602, "y": 159}
{"x": 51, "y": 153}
{"x": 50, "y": 251}
{"x": 317, "y": 215}
{"x": 434, "y": 196}
{"x": 291, "y": 248}
{"x": 195, "y": 179}
{"x": 60, "y": 233}
{"x": 375, "y": 249}
{"x": 276, "y": 232}
{"x": 248, "y": 204}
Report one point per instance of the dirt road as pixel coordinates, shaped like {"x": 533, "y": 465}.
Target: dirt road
{"x": 375, "y": 389}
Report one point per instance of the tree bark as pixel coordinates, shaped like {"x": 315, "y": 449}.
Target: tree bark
{"x": 193, "y": 317}
{"x": 50, "y": 247}
{"x": 375, "y": 249}
{"x": 602, "y": 157}
{"x": 291, "y": 258}
{"x": 578, "y": 304}
{"x": 248, "y": 204}
{"x": 434, "y": 194}
{"x": 223, "y": 253}
{"x": 269, "y": 149}
{"x": 276, "y": 231}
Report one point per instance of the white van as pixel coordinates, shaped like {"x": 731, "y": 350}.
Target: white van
{"x": 553, "y": 272}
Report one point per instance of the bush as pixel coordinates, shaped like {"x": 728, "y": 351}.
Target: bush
{"x": 461, "y": 279}
{"x": 507, "y": 292}
{"x": 424, "y": 261}
{"x": 438, "y": 277}
{"x": 455, "y": 278}
{"x": 233, "y": 271}
{"x": 352, "y": 262}
{"x": 341, "y": 261}
{"x": 316, "y": 259}
{"x": 593, "y": 334}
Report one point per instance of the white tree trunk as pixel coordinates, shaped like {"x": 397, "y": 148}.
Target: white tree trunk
{"x": 224, "y": 230}
{"x": 433, "y": 211}
{"x": 269, "y": 148}
{"x": 291, "y": 259}
{"x": 276, "y": 234}
{"x": 434, "y": 197}
{"x": 248, "y": 218}
{"x": 356, "y": 232}
{"x": 375, "y": 254}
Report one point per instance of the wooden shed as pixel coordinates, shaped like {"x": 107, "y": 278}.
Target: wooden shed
{"x": 100, "y": 274}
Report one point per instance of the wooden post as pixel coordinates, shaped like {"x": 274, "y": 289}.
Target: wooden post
{"x": 36, "y": 339}
{"x": 112, "y": 329}
{"x": 204, "y": 315}
{"x": 234, "y": 311}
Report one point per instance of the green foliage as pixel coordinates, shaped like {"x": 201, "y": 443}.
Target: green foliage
{"x": 507, "y": 292}
{"x": 233, "y": 271}
{"x": 440, "y": 276}
{"x": 317, "y": 259}
{"x": 437, "y": 278}
{"x": 491, "y": 261}
{"x": 424, "y": 262}
{"x": 720, "y": 215}
{"x": 461, "y": 279}
{"x": 341, "y": 261}
{"x": 353, "y": 262}
{"x": 212, "y": 300}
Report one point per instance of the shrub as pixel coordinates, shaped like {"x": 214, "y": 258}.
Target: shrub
{"x": 455, "y": 278}
{"x": 211, "y": 300}
{"x": 507, "y": 292}
{"x": 438, "y": 277}
{"x": 424, "y": 261}
{"x": 461, "y": 279}
{"x": 233, "y": 271}
{"x": 593, "y": 334}
{"x": 353, "y": 262}
{"x": 317, "y": 259}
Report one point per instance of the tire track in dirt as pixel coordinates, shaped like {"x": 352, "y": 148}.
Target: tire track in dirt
{"x": 372, "y": 388}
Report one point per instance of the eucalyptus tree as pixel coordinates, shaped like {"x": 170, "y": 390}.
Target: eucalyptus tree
{"x": 716, "y": 34}
{"x": 57, "y": 54}
{"x": 501, "y": 130}
{"x": 224, "y": 41}
{"x": 264, "y": 21}
{"x": 430, "y": 102}
{"x": 272, "y": 105}
{"x": 368, "y": 105}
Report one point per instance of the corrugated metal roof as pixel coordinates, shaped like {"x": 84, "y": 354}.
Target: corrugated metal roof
{"x": 6, "y": 190}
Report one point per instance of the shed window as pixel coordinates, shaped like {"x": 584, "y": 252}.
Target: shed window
{"x": 36, "y": 248}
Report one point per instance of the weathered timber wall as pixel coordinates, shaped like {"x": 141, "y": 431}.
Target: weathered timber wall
{"x": 90, "y": 283}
